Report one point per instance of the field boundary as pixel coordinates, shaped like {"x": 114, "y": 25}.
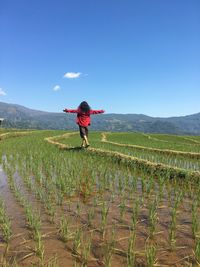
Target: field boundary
{"x": 53, "y": 139}
{"x": 139, "y": 164}
{"x": 166, "y": 141}
{"x": 192, "y": 155}
{"x": 13, "y": 134}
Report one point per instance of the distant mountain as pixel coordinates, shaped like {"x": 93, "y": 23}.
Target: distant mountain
{"x": 17, "y": 116}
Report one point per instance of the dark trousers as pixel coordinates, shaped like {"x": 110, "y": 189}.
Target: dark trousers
{"x": 83, "y": 131}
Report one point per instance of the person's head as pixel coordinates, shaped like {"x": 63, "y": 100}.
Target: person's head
{"x": 84, "y": 107}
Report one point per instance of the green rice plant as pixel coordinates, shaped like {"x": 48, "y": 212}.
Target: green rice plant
{"x": 18, "y": 195}
{"x": 197, "y": 250}
{"x": 131, "y": 257}
{"x": 143, "y": 183}
{"x": 153, "y": 218}
{"x": 95, "y": 202}
{"x": 172, "y": 236}
{"x": 109, "y": 249}
{"x": 178, "y": 199}
{"x": 90, "y": 216}
{"x": 5, "y": 223}
{"x": 133, "y": 183}
{"x": 27, "y": 181}
{"x": 195, "y": 221}
{"x": 135, "y": 212}
{"x": 33, "y": 219}
{"x": 39, "y": 249}
{"x": 64, "y": 230}
{"x": 161, "y": 191}
{"x": 149, "y": 185}
{"x": 198, "y": 194}
{"x": 120, "y": 185}
{"x": 77, "y": 241}
{"x": 173, "y": 224}
{"x": 122, "y": 207}
{"x": 2, "y": 211}
{"x": 150, "y": 252}
{"x": 174, "y": 217}
{"x": 85, "y": 253}
{"x": 6, "y": 229}
{"x": 50, "y": 209}
{"x": 59, "y": 197}
{"x": 104, "y": 217}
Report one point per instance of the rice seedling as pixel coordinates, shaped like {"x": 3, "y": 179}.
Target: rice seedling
{"x": 39, "y": 248}
{"x": 5, "y": 223}
{"x": 6, "y": 229}
{"x": 153, "y": 218}
{"x": 64, "y": 229}
{"x": 77, "y": 241}
{"x": 197, "y": 251}
{"x": 50, "y": 209}
{"x": 150, "y": 253}
{"x": 195, "y": 221}
{"x": 90, "y": 216}
{"x": 59, "y": 198}
{"x": 172, "y": 236}
{"x": 131, "y": 257}
{"x": 149, "y": 186}
{"x": 85, "y": 252}
{"x": 104, "y": 216}
{"x": 135, "y": 212}
{"x": 109, "y": 250}
{"x": 122, "y": 207}
{"x": 78, "y": 208}
{"x": 33, "y": 219}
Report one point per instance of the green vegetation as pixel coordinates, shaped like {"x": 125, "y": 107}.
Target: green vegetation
{"x": 173, "y": 142}
{"x": 103, "y": 205}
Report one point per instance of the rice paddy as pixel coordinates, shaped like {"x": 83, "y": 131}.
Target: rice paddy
{"x": 130, "y": 199}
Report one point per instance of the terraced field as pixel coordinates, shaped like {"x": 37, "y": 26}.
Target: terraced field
{"x": 129, "y": 199}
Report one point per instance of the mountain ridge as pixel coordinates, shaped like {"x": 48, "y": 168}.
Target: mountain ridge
{"x": 18, "y": 116}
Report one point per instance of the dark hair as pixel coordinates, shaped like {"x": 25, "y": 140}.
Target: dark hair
{"x": 84, "y": 107}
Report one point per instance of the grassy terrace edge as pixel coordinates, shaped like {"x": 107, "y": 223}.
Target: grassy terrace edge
{"x": 139, "y": 164}
{"x": 14, "y": 134}
{"x": 192, "y": 155}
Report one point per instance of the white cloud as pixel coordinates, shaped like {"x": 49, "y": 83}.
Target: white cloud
{"x": 56, "y": 88}
{"x": 2, "y": 92}
{"x": 72, "y": 75}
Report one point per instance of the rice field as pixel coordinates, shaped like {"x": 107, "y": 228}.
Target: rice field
{"x": 130, "y": 199}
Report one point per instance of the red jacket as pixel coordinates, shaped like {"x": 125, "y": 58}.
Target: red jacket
{"x": 83, "y": 119}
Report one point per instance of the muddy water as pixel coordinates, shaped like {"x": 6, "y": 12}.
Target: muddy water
{"x": 15, "y": 213}
{"x": 22, "y": 246}
{"x": 2, "y": 179}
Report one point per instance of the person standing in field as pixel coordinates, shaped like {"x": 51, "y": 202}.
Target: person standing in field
{"x": 83, "y": 120}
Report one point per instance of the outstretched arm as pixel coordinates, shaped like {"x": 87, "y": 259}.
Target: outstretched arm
{"x": 97, "y": 111}
{"x": 70, "y": 110}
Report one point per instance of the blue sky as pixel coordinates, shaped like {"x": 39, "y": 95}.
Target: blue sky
{"x": 123, "y": 56}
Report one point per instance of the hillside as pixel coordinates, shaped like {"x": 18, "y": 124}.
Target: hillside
{"x": 21, "y": 117}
